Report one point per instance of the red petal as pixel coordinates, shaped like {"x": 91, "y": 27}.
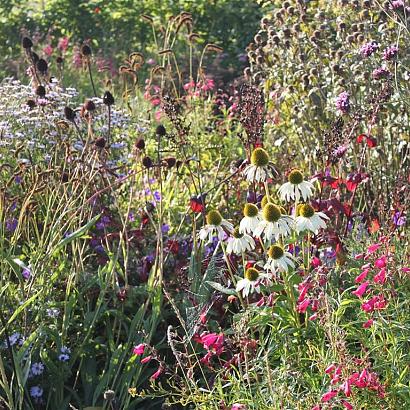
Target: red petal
{"x": 351, "y": 186}
{"x": 371, "y": 142}
{"x": 361, "y": 137}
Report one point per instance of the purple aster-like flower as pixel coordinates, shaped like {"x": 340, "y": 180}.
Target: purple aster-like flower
{"x": 26, "y": 273}
{"x": 399, "y": 219}
{"x": 36, "y": 392}
{"x": 165, "y": 228}
{"x": 366, "y": 50}
{"x": 390, "y": 53}
{"x": 37, "y": 369}
{"x": 343, "y": 102}
{"x": 380, "y": 73}
{"x": 64, "y": 356}
{"x": 11, "y": 224}
{"x": 157, "y": 196}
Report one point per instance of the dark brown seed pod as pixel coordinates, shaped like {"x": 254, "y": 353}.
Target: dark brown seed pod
{"x": 89, "y": 105}
{"x": 140, "y": 144}
{"x": 171, "y": 161}
{"x": 40, "y": 91}
{"x": 31, "y": 104}
{"x": 161, "y": 131}
{"x": 26, "y": 43}
{"x": 42, "y": 66}
{"x": 59, "y": 60}
{"x": 108, "y": 98}
{"x": 35, "y": 57}
{"x": 147, "y": 162}
{"x": 100, "y": 142}
{"x": 69, "y": 114}
{"x": 86, "y": 50}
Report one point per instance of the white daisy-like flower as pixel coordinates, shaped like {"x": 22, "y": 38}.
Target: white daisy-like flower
{"x": 296, "y": 187}
{"x": 273, "y": 223}
{"x": 239, "y": 243}
{"x": 257, "y": 170}
{"x": 250, "y": 283}
{"x": 250, "y": 220}
{"x": 309, "y": 220}
{"x": 278, "y": 259}
{"x": 215, "y": 224}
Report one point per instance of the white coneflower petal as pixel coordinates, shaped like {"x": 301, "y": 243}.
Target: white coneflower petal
{"x": 295, "y": 188}
{"x": 215, "y": 225}
{"x": 309, "y": 220}
{"x": 278, "y": 259}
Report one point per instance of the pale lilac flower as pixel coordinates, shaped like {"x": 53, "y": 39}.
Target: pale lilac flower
{"x": 366, "y": 50}
{"x": 343, "y": 102}
{"x": 36, "y": 392}
{"x": 37, "y": 369}
{"x": 390, "y": 53}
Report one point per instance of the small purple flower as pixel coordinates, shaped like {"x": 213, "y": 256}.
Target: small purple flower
{"x": 366, "y": 50}
{"x": 103, "y": 223}
{"x": 26, "y": 273}
{"x": 65, "y": 354}
{"x": 343, "y": 102}
{"x": 399, "y": 219}
{"x": 53, "y": 312}
{"x": 11, "y": 225}
{"x": 131, "y": 216}
{"x": 157, "y": 196}
{"x": 36, "y": 392}
{"x": 37, "y": 369}
{"x": 150, "y": 258}
{"x": 380, "y": 73}
{"x": 14, "y": 338}
{"x": 390, "y": 53}
{"x": 165, "y": 228}
{"x": 340, "y": 151}
{"x": 17, "y": 179}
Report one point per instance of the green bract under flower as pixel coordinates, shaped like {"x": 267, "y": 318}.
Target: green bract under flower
{"x": 237, "y": 234}
{"x": 250, "y": 210}
{"x": 251, "y": 274}
{"x": 306, "y": 211}
{"x": 213, "y": 218}
{"x": 271, "y": 212}
{"x": 295, "y": 177}
{"x": 275, "y": 252}
{"x": 259, "y": 157}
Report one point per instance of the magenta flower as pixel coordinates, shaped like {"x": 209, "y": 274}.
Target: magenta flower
{"x": 328, "y": 396}
{"x": 361, "y": 289}
{"x": 157, "y": 373}
{"x": 373, "y": 248}
{"x": 360, "y": 278}
{"x": 347, "y": 405}
{"x": 139, "y": 349}
{"x": 302, "y": 306}
{"x": 381, "y": 262}
{"x": 380, "y": 277}
{"x": 368, "y": 324}
{"x": 146, "y": 359}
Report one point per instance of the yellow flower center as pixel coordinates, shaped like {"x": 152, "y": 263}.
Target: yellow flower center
{"x": 295, "y": 177}
{"x": 306, "y": 210}
{"x": 275, "y": 252}
{"x": 251, "y": 274}
{"x": 264, "y": 201}
{"x": 259, "y": 157}
{"x": 271, "y": 212}
{"x": 213, "y": 218}
{"x": 250, "y": 210}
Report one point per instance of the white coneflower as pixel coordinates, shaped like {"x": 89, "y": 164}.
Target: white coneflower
{"x": 278, "y": 259}
{"x": 239, "y": 243}
{"x": 295, "y": 187}
{"x": 250, "y": 283}
{"x": 250, "y": 220}
{"x": 274, "y": 223}
{"x": 309, "y": 220}
{"x": 215, "y": 223}
{"x": 257, "y": 170}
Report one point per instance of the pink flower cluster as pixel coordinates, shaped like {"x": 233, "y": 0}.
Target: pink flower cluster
{"x": 342, "y": 387}
{"x": 213, "y": 343}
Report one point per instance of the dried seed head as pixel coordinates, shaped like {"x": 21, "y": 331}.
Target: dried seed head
{"x": 40, "y": 91}
{"x": 86, "y": 50}
{"x": 100, "y": 142}
{"x": 250, "y": 210}
{"x": 108, "y": 98}
{"x": 69, "y": 114}
{"x": 35, "y": 57}
{"x": 26, "y": 43}
{"x": 251, "y": 274}
{"x": 295, "y": 177}
{"x": 31, "y": 104}
{"x": 140, "y": 143}
{"x": 213, "y": 218}
{"x": 275, "y": 252}
{"x": 42, "y": 66}
{"x": 259, "y": 157}
{"x": 89, "y": 105}
{"x": 147, "y": 162}
{"x": 160, "y": 130}
{"x": 306, "y": 211}
{"x": 171, "y": 161}
{"x": 59, "y": 60}
{"x": 271, "y": 212}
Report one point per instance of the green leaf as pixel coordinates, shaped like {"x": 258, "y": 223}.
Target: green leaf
{"x": 221, "y": 288}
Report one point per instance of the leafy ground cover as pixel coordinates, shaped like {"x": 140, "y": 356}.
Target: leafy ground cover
{"x": 169, "y": 239}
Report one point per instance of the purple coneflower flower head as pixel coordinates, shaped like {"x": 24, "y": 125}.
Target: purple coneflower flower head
{"x": 366, "y": 50}
{"x": 343, "y": 102}
{"x": 390, "y": 53}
